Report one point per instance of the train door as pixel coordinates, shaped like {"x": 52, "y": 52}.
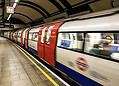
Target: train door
{"x": 11, "y": 35}
{"x": 26, "y": 38}
{"x": 23, "y": 37}
{"x": 21, "y": 43}
{"x": 50, "y": 43}
{"x": 16, "y": 36}
{"x": 41, "y": 42}
{"x": 19, "y": 36}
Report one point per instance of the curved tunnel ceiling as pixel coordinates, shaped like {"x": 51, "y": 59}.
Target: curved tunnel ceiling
{"x": 22, "y": 17}
{"x": 36, "y": 6}
{"x": 30, "y": 6}
{"x": 48, "y": 10}
{"x": 48, "y": 5}
{"x": 30, "y": 12}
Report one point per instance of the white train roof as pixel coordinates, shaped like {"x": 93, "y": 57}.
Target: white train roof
{"x": 95, "y": 24}
{"x": 35, "y": 30}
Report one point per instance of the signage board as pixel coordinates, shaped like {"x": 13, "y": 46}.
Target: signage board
{"x": 10, "y": 9}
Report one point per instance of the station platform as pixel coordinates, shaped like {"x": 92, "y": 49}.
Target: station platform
{"x": 17, "y": 70}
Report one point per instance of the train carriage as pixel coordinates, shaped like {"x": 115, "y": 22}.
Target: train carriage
{"x": 19, "y": 36}
{"x": 88, "y": 50}
{"x": 33, "y": 40}
{"x": 6, "y": 34}
{"x": 24, "y": 38}
{"x": 15, "y": 38}
{"x": 11, "y": 35}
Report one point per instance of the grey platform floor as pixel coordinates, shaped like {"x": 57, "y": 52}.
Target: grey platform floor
{"x": 16, "y": 70}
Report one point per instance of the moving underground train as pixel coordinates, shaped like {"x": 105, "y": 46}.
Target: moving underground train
{"x": 85, "y": 48}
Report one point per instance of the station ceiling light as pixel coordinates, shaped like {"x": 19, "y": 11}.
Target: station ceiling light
{"x": 14, "y": 6}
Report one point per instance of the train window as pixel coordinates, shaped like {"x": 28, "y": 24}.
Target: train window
{"x": 102, "y": 44}
{"x": 72, "y": 41}
{"x": 19, "y": 35}
{"x": 35, "y": 36}
{"x": 30, "y": 36}
{"x": 66, "y": 36}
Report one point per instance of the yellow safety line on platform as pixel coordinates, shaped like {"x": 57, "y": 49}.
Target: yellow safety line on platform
{"x": 49, "y": 78}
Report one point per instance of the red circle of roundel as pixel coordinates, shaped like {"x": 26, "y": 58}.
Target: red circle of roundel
{"x": 82, "y": 64}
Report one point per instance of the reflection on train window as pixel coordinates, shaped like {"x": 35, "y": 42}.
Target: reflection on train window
{"x": 72, "y": 41}
{"x": 103, "y": 44}
{"x": 48, "y": 36}
{"x": 43, "y": 36}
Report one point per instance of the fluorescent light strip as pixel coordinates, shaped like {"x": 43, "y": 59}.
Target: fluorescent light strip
{"x": 14, "y": 5}
{"x": 17, "y": 0}
{"x": 9, "y": 16}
